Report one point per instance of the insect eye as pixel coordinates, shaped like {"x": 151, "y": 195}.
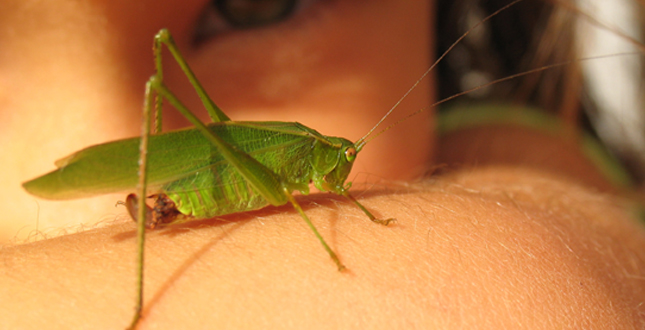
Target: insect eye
{"x": 350, "y": 154}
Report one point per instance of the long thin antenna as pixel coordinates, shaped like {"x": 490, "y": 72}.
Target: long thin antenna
{"x": 540, "y": 69}
{"x": 362, "y": 141}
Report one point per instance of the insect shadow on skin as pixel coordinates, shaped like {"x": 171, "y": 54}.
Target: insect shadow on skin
{"x": 239, "y": 221}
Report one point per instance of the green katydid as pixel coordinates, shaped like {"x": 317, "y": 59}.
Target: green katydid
{"x": 216, "y": 169}
{"x": 220, "y": 168}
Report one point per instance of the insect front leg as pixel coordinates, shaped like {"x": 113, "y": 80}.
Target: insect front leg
{"x": 366, "y": 211}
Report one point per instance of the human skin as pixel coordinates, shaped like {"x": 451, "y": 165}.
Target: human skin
{"x": 494, "y": 248}
{"x": 491, "y": 247}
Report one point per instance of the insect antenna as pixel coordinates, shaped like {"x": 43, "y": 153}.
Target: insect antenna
{"x": 493, "y": 82}
{"x": 362, "y": 141}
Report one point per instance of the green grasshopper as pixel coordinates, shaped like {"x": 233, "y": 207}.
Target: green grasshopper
{"x": 221, "y": 168}
{"x": 216, "y": 169}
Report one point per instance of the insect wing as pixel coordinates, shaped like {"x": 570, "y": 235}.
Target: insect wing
{"x": 178, "y": 160}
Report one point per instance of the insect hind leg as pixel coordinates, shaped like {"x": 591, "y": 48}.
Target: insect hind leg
{"x": 164, "y": 37}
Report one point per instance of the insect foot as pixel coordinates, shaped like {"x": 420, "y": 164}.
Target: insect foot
{"x": 384, "y": 222}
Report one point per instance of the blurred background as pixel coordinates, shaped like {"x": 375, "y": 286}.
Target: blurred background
{"x": 601, "y": 94}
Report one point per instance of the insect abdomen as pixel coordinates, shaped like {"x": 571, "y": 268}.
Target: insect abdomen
{"x": 221, "y": 196}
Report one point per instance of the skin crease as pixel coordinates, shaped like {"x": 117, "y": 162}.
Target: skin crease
{"x": 493, "y": 247}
